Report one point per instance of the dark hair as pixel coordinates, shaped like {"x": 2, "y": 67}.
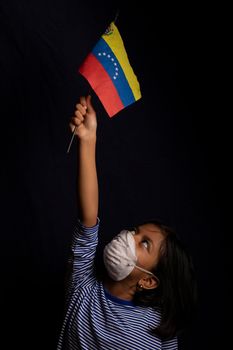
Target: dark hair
{"x": 176, "y": 294}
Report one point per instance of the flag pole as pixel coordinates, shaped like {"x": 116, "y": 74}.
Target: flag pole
{"x": 117, "y": 14}
{"x": 71, "y": 140}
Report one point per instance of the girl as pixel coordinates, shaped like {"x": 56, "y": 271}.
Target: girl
{"x": 148, "y": 294}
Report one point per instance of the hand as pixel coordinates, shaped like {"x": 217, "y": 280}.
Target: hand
{"x": 84, "y": 120}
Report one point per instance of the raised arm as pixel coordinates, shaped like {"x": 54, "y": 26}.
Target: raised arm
{"x": 86, "y": 124}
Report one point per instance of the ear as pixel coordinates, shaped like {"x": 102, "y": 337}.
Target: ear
{"x": 150, "y": 282}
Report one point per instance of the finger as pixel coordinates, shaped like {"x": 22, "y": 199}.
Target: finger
{"x": 79, "y": 115}
{"x": 81, "y": 108}
{"x": 89, "y": 104}
{"x": 83, "y": 102}
{"x": 76, "y": 121}
{"x": 75, "y": 125}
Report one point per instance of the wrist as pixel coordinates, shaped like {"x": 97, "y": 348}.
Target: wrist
{"x": 88, "y": 141}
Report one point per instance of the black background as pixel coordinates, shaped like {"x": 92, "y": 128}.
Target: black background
{"x": 166, "y": 156}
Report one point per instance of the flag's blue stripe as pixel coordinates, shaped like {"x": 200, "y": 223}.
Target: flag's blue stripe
{"x": 108, "y": 60}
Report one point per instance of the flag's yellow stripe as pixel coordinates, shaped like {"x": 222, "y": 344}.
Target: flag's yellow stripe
{"x": 114, "y": 40}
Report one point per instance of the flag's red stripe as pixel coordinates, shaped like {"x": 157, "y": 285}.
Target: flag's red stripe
{"x": 101, "y": 83}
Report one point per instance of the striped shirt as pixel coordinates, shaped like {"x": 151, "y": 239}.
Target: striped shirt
{"x": 94, "y": 319}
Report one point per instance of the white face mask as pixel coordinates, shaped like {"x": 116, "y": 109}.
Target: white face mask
{"x": 120, "y": 256}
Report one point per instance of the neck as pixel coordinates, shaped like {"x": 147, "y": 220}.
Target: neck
{"x": 124, "y": 290}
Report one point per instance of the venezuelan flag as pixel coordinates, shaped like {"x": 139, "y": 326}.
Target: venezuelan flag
{"x": 108, "y": 71}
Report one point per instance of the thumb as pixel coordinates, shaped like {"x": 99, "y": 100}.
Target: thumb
{"x": 89, "y": 104}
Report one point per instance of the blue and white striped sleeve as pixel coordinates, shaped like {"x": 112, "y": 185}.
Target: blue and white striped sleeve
{"x": 170, "y": 344}
{"x": 83, "y": 249}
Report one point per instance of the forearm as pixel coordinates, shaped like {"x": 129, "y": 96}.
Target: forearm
{"x": 87, "y": 182}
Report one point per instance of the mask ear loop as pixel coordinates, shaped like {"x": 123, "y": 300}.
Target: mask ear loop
{"x": 150, "y": 273}
{"x": 140, "y": 268}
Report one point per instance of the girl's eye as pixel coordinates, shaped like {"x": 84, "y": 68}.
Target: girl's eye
{"x": 145, "y": 243}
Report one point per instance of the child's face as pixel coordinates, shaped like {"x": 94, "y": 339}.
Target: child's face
{"x": 148, "y": 239}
